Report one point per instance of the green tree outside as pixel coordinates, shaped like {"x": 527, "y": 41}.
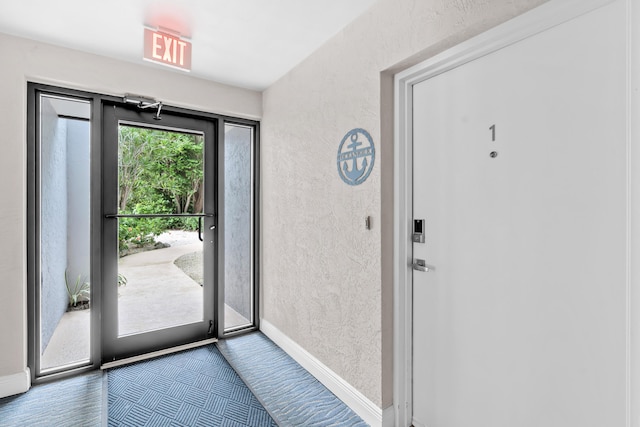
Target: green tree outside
{"x": 158, "y": 172}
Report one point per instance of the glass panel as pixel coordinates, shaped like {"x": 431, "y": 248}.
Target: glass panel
{"x": 160, "y": 270}
{"x": 64, "y": 302}
{"x": 238, "y": 226}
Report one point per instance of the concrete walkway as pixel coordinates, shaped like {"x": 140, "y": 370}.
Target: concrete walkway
{"x": 70, "y": 341}
{"x": 158, "y": 294}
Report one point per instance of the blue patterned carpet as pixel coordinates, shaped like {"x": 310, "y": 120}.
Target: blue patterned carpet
{"x": 72, "y": 402}
{"x": 292, "y": 395}
{"x": 191, "y": 388}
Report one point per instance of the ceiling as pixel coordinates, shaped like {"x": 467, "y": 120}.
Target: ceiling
{"x": 246, "y": 43}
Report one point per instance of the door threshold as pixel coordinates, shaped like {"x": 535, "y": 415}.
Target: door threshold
{"x": 158, "y": 353}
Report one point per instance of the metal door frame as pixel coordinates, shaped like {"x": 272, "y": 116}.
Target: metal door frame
{"x": 115, "y": 347}
{"x": 33, "y": 231}
{"x": 33, "y": 89}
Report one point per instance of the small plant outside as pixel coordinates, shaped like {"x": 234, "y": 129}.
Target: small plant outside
{"x": 159, "y": 172}
{"x": 78, "y": 291}
{"x": 122, "y": 281}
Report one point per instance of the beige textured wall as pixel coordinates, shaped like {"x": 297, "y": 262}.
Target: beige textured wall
{"x": 25, "y": 60}
{"x": 326, "y": 280}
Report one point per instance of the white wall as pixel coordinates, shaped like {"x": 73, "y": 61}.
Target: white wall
{"x": 326, "y": 280}
{"x": 24, "y": 61}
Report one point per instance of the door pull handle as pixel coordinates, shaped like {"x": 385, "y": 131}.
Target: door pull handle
{"x": 419, "y": 265}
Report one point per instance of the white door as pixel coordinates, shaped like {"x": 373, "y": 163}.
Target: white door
{"x": 522, "y": 322}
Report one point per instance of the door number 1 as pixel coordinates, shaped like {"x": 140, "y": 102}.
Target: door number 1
{"x": 492, "y": 128}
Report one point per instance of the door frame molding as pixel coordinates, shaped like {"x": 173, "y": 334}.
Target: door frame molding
{"x": 519, "y": 28}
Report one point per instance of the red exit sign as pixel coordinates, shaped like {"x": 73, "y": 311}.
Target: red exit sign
{"x": 167, "y": 49}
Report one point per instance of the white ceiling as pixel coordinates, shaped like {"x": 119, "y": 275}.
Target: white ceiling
{"x": 246, "y": 43}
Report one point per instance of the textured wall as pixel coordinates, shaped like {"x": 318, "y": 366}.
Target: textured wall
{"x": 33, "y": 61}
{"x": 237, "y": 217}
{"x": 53, "y": 199}
{"x": 78, "y": 179}
{"x": 326, "y": 280}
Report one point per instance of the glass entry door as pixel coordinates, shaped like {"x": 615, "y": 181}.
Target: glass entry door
{"x": 159, "y": 225}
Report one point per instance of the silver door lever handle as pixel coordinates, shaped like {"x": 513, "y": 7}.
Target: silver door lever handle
{"x": 419, "y": 265}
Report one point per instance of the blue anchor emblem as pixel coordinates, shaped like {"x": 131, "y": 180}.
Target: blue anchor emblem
{"x": 355, "y": 161}
{"x": 354, "y": 174}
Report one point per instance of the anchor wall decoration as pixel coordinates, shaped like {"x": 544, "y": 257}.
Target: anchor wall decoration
{"x": 356, "y": 160}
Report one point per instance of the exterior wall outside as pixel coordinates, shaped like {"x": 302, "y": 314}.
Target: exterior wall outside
{"x": 38, "y": 62}
{"x": 78, "y": 179}
{"x": 327, "y": 281}
{"x": 238, "y": 187}
{"x": 65, "y": 205}
{"x": 54, "y": 225}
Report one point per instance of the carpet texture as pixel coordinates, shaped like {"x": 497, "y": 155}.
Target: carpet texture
{"x": 74, "y": 402}
{"x": 192, "y": 388}
{"x": 292, "y": 395}
{"x": 196, "y": 387}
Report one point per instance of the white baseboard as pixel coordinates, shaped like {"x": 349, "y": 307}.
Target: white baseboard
{"x": 355, "y": 400}
{"x": 15, "y": 384}
{"x": 388, "y": 417}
